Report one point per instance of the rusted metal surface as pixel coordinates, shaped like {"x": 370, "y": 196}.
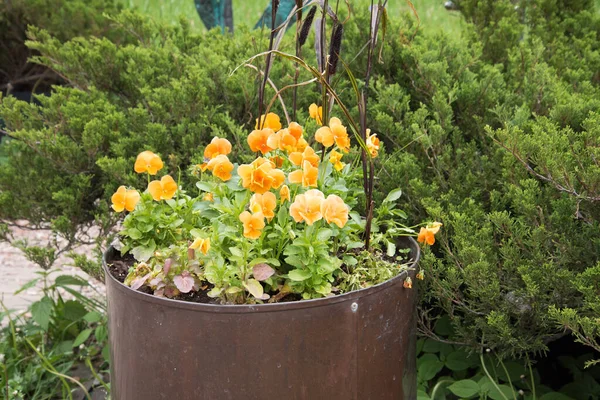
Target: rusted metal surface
{"x": 357, "y": 346}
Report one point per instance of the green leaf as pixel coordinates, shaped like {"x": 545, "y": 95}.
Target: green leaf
{"x": 422, "y": 395}
{"x": 66, "y": 346}
{"x": 101, "y": 333}
{"x": 133, "y": 233}
{"x": 28, "y": 285}
{"x": 236, "y": 252}
{"x": 299, "y": 275}
{"x": 515, "y": 370}
{"x": 41, "y": 310}
{"x": 254, "y": 287}
{"x": 206, "y": 186}
{"x": 428, "y": 367}
{"x": 82, "y": 337}
{"x": 493, "y": 393}
{"x": 143, "y": 253}
{"x": 70, "y": 280}
{"x": 457, "y": 361}
{"x": 393, "y": 196}
{"x": 443, "y": 327}
{"x": 176, "y": 223}
{"x": 74, "y": 310}
{"x": 295, "y": 261}
{"x": 464, "y": 388}
{"x": 324, "y": 235}
{"x": 391, "y": 249}
{"x": 106, "y": 353}
{"x": 354, "y": 245}
{"x": 92, "y": 317}
{"x": 432, "y": 346}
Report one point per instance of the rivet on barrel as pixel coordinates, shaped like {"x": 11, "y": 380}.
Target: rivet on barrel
{"x": 354, "y": 307}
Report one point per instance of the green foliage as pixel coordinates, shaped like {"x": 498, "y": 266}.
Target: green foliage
{"x": 515, "y": 250}
{"x": 448, "y": 371}
{"x": 502, "y": 148}
{"x": 40, "y": 348}
{"x": 85, "y": 19}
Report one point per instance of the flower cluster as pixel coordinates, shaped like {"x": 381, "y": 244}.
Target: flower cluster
{"x": 280, "y": 224}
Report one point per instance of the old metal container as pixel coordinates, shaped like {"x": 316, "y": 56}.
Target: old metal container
{"x": 357, "y": 346}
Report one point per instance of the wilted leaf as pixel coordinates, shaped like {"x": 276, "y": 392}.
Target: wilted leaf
{"x": 262, "y": 272}
{"x": 214, "y": 292}
{"x": 184, "y": 282}
{"x": 138, "y": 282}
{"x": 254, "y": 287}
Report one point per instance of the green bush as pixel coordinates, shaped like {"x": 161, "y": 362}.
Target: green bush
{"x": 496, "y": 136}
{"x": 505, "y": 152}
{"x": 61, "y": 18}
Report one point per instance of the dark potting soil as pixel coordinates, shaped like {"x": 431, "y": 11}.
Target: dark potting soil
{"x": 119, "y": 266}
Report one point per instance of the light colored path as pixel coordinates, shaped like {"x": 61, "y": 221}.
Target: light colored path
{"x": 16, "y": 270}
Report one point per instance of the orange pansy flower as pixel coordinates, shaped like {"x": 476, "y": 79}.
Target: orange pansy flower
{"x": 301, "y": 144}
{"x": 427, "y": 234}
{"x": 253, "y": 224}
{"x": 295, "y": 130}
{"x": 335, "y": 211}
{"x": 257, "y": 140}
{"x": 164, "y": 189}
{"x": 372, "y": 143}
{"x": 316, "y": 113}
{"x": 260, "y": 176}
{"x": 271, "y": 121}
{"x": 307, "y": 207}
{"x": 308, "y": 154}
{"x": 324, "y": 135}
{"x": 284, "y": 193}
{"x": 125, "y": 199}
{"x": 202, "y": 245}
{"x": 335, "y": 158}
{"x": 340, "y": 134}
{"x": 282, "y": 140}
{"x": 221, "y": 167}
{"x": 149, "y": 162}
{"x": 407, "y": 283}
{"x": 264, "y": 203}
{"x": 277, "y": 161}
{"x": 217, "y": 147}
{"x": 208, "y": 197}
{"x": 307, "y": 176}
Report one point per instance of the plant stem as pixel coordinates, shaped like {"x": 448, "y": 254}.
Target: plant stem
{"x": 531, "y": 376}
{"x": 91, "y": 367}
{"x": 508, "y": 377}
{"x": 490, "y": 376}
{"x": 261, "y": 89}
{"x": 437, "y": 386}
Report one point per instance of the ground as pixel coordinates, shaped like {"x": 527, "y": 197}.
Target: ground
{"x": 16, "y": 270}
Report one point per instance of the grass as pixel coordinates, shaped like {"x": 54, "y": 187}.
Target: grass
{"x": 432, "y": 13}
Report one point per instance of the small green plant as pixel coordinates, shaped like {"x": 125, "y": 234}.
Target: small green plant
{"x": 450, "y": 371}
{"x": 40, "y": 347}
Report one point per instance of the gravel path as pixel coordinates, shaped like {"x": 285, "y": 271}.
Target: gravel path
{"x": 16, "y": 270}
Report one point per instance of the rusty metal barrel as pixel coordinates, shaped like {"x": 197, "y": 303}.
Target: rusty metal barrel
{"x": 356, "y": 346}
